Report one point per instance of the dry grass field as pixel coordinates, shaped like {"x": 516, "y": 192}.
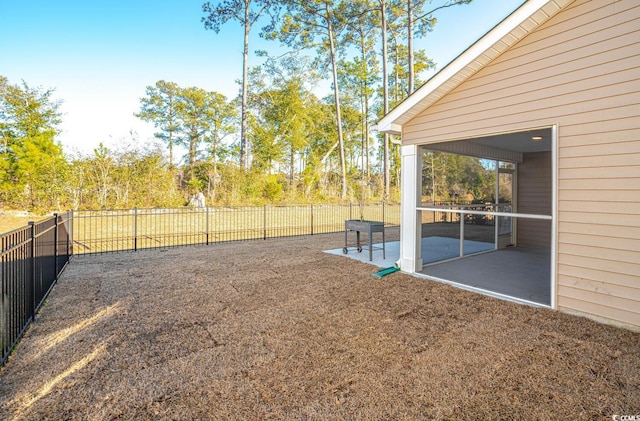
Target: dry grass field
{"x": 10, "y": 221}
{"x": 277, "y": 329}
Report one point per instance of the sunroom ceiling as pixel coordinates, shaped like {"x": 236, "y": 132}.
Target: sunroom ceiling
{"x": 504, "y": 147}
{"x": 522, "y": 142}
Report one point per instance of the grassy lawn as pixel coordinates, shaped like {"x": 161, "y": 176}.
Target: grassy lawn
{"x": 9, "y": 222}
{"x": 278, "y": 329}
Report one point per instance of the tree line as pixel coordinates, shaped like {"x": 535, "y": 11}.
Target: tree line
{"x": 343, "y": 35}
{"x": 278, "y": 141}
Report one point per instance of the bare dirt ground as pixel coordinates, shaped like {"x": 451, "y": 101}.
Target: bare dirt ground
{"x": 277, "y": 329}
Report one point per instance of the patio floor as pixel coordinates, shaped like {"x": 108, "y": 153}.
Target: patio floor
{"x": 520, "y": 273}
{"x": 277, "y": 329}
{"x": 447, "y": 248}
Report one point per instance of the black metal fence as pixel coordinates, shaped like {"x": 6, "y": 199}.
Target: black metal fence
{"x": 32, "y": 259}
{"x": 34, "y": 256}
{"x": 437, "y": 216}
{"x": 106, "y": 231}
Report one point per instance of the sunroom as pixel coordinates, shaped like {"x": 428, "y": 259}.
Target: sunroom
{"x": 500, "y": 245}
{"x": 485, "y": 104}
{"x": 554, "y": 84}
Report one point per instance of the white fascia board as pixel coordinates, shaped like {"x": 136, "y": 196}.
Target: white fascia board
{"x": 391, "y": 128}
{"x": 398, "y": 116}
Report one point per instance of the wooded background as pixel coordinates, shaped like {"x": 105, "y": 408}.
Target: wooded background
{"x": 278, "y": 141}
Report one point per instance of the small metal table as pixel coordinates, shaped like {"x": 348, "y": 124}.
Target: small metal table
{"x": 363, "y": 226}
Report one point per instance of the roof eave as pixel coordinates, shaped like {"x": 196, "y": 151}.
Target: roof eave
{"x": 512, "y": 29}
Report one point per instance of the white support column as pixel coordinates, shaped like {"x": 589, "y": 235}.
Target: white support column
{"x": 410, "y": 217}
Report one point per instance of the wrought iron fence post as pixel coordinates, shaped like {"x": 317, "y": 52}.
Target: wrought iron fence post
{"x": 350, "y": 210}
{"x": 135, "y": 229}
{"x": 69, "y": 232}
{"x": 55, "y": 246}
{"x": 68, "y": 216}
{"x": 207, "y": 224}
{"x": 32, "y": 298}
{"x": 264, "y": 221}
{"x": 383, "y": 220}
{"x": 3, "y": 309}
{"x": 312, "y": 219}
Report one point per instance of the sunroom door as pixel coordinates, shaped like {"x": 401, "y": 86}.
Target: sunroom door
{"x": 505, "y": 194}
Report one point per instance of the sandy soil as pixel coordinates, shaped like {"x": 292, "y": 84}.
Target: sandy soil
{"x": 278, "y": 329}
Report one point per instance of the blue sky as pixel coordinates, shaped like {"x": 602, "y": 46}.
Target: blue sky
{"x": 99, "y": 55}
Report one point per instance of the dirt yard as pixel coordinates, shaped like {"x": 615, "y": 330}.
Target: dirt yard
{"x": 278, "y": 329}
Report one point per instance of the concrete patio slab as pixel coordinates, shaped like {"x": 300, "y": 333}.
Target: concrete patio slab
{"x": 521, "y": 273}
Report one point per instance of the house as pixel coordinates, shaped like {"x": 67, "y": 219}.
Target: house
{"x": 551, "y": 97}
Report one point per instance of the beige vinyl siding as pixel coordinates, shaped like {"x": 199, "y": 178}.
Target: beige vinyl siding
{"x": 613, "y": 314}
{"x": 579, "y": 71}
{"x": 554, "y": 73}
{"x": 534, "y": 196}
